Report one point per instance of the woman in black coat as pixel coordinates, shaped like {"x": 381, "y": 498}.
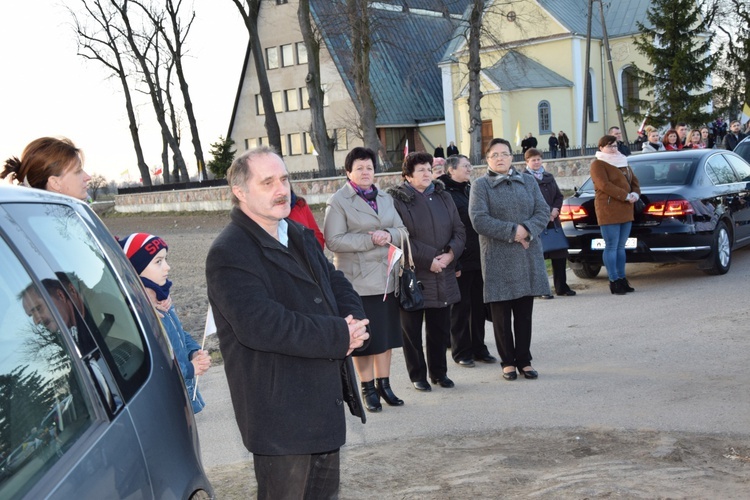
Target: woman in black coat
{"x": 437, "y": 240}
{"x": 554, "y": 199}
{"x": 467, "y": 315}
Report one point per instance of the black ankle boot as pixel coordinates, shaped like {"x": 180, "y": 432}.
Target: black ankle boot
{"x": 625, "y": 285}
{"x": 616, "y": 287}
{"x": 370, "y": 395}
{"x": 384, "y": 390}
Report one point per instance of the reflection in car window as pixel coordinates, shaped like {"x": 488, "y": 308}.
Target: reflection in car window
{"x": 43, "y": 409}
{"x": 741, "y": 167}
{"x": 67, "y": 245}
{"x": 719, "y": 171}
{"x": 662, "y": 171}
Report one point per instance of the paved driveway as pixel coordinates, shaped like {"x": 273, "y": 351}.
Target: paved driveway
{"x": 673, "y": 356}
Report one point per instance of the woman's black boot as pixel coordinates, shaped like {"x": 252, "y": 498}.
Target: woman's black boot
{"x": 370, "y": 395}
{"x": 616, "y": 287}
{"x": 625, "y": 285}
{"x": 384, "y": 390}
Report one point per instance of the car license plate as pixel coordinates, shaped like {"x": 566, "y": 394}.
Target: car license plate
{"x": 598, "y": 244}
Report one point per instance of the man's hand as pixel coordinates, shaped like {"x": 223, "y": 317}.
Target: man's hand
{"x": 553, "y": 214}
{"x": 357, "y": 332}
{"x": 201, "y": 362}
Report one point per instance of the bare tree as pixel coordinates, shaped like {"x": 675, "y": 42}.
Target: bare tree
{"x": 174, "y": 36}
{"x": 475, "y": 92}
{"x": 359, "y": 23}
{"x": 144, "y": 44}
{"x": 103, "y": 44}
{"x": 97, "y": 183}
{"x": 250, "y": 17}
{"x": 323, "y": 143}
{"x": 734, "y": 69}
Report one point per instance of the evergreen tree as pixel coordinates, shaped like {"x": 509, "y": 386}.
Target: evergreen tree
{"x": 223, "y": 156}
{"x": 676, "y": 42}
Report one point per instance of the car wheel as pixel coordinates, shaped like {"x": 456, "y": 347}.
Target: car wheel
{"x": 721, "y": 251}
{"x": 587, "y": 270}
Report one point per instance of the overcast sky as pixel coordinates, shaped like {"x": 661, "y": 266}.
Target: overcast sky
{"x": 46, "y": 89}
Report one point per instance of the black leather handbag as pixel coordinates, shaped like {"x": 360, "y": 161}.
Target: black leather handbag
{"x": 408, "y": 289}
{"x": 553, "y": 239}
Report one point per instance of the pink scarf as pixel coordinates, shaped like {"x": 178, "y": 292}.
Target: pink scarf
{"x": 618, "y": 159}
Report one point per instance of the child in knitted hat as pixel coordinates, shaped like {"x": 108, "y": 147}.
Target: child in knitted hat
{"x": 148, "y": 254}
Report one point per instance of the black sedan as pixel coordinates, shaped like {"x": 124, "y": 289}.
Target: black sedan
{"x": 697, "y": 209}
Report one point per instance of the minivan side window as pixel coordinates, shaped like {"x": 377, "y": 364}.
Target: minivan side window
{"x": 67, "y": 245}
{"x": 43, "y": 407}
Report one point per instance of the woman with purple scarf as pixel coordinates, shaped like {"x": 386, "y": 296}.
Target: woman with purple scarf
{"x": 360, "y": 225}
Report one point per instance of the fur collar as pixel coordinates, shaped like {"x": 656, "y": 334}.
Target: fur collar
{"x": 403, "y": 193}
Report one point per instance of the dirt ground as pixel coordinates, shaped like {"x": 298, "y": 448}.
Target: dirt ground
{"x": 562, "y": 463}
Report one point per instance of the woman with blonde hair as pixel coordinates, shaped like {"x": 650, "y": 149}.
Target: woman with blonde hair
{"x": 51, "y": 164}
{"x": 653, "y": 143}
{"x": 694, "y": 140}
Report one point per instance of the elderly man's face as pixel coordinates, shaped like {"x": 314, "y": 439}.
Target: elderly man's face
{"x": 266, "y": 196}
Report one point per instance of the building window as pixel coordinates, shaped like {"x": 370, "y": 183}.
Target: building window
{"x": 340, "y": 137}
{"x": 251, "y": 143}
{"x": 272, "y": 58}
{"x": 325, "y": 97}
{"x": 278, "y": 103}
{"x": 545, "y": 121}
{"x": 591, "y": 98}
{"x": 629, "y": 86}
{"x": 262, "y": 141}
{"x": 291, "y": 98}
{"x": 301, "y": 53}
{"x": 309, "y": 148}
{"x": 295, "y": 144}
{"x": 281, "y": 2}
{"x": 284, "y": 145}
{"x": 304, "y": 98}
{"x": 287, "y": 55}
{"x": 259, "y": 105}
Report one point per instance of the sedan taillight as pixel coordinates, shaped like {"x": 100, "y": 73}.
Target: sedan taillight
{"x": 670, "y": 208}
{"x": 570, "y": 212}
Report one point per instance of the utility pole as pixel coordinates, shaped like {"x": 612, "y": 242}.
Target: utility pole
{"x": 615, "y": 95}
{"x": 585, "y": 119}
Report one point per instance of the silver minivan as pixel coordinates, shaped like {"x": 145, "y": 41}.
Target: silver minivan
{"x": 92, "y": 404}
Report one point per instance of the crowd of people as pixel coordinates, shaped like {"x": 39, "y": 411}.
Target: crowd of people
{"x": 715, "y": 135}
{"x": 291, "y": 358}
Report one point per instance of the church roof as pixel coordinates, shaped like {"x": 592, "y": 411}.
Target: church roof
{"x": 405, "y": 80}
{"x": 516, "y": 71}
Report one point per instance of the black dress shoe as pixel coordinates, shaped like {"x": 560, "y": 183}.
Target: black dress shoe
{"x": 467, "y": 363}
{"x": 530, "y": 374}
{"x": 510, "y": 375}
{"x": 547, "y": 297}
{"x": 422, "y": 385}
{"x": 626, "y": 285}
{"x": 568, "y": 293}
{"x": 443, "y": 382}
{"x": 487, "y": 359}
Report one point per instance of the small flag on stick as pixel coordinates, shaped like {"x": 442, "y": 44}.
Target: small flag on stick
{"x": 406, "y": 148}
{"x": 209, "y": 329}
{"x": 518, "y": 133}
{"x": 394, "y": 254}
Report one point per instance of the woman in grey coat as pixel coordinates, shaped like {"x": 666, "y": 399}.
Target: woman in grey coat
{"x": 508, "y": 211}
{"x": 360, "y": 225}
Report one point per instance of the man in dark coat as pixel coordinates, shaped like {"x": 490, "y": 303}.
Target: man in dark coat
{"x": 734, "y": 136}
{"x": 553, "y": 143}
{"x": 468, "y": 314}
{"x": 287, "y": 322}
{"x": 452, "y": 149}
